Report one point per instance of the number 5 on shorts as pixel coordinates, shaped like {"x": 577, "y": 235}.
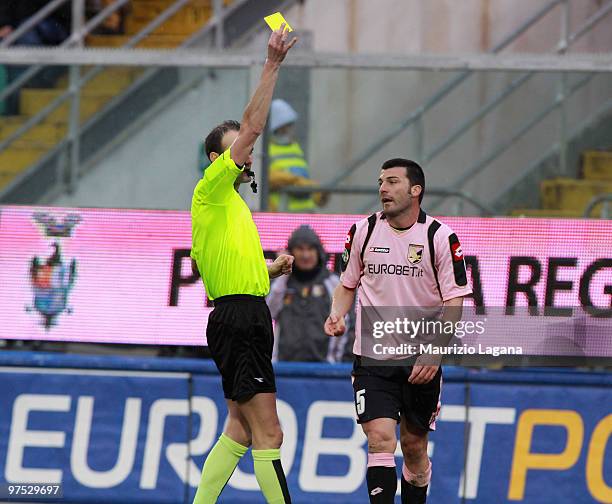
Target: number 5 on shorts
{"x": 360, "y": 401}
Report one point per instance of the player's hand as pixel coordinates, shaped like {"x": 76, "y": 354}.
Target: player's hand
{"x": 422, "y": 371}
{"x": 278, "y": 45}
{"x": 283, "y": 265}
{"x": 334, "y": 325}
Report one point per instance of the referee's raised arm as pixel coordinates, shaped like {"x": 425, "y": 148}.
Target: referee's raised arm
{"x": 256, "y": 112}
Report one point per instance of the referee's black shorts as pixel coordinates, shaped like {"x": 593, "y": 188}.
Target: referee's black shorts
{"x": 240, "y": 339}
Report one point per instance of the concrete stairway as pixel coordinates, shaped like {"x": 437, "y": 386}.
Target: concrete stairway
{"x": 30, "y": 147}
{"x": 170, "y": 34}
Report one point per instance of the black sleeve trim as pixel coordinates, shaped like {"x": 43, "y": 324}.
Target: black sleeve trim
{"x": 457, "y": 260}
{"x": 371, "y": 224}
{"x": 348, "y": 245}
{"x": 431, "y": 232}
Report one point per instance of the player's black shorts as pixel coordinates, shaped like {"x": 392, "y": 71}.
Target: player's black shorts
{"x": 240, "y": 339}
{"x": 384, "y": 392}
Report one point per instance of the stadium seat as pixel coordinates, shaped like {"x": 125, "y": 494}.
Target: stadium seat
{"x": 567, "y": 197}
{"x": 571, "y": 194}
{"x": 597, "y": 165}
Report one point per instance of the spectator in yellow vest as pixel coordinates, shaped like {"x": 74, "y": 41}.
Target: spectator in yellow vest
{"x": 287, "y": 165}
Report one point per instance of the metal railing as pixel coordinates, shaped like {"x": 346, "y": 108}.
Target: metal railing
{"x": 70, "y": 169}
{"x": 76, "y": 38}
{"x": 287, "y": 191}
{"x": 31, "y": 22}
{"x": 416, "y": 119}
{"x": 79, "y": 31}
{"x": 596, "y": 200}
{"x": 553, "y": 150}
{"x": 564, "y": 93}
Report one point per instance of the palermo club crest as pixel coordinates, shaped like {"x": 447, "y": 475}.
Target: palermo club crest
{"x": 415, "y": 253}
{"x": 51, "y": 277}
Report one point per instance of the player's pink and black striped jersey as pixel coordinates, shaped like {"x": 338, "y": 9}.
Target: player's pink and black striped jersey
{"x": 422, "y": 266}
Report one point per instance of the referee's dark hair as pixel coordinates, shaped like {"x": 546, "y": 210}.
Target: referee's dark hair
{"x": 213, "y": 140}
{"x": 413, "y": 171}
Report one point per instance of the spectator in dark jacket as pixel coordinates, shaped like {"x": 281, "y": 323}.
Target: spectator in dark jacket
{"x": 300, "y": 303}
{"x": 52, "y": 30}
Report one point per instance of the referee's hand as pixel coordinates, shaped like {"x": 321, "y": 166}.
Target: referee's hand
{"x": 334, "y": 325}
{"x": 278, "y": 45}
{"x": 283, "y": 265}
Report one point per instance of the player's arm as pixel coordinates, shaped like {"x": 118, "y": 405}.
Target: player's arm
{"x": 453, "y": 310}
{"x": 256, "y": 113}
{"x": 427, "y": 366}
{"x": 454, "y": 286}
{"x": 344, "y": 293}
{"x": 341, "y": 304}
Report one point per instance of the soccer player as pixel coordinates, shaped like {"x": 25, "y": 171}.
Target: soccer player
{"x": 227, "y": 251}
{"x": 398, "y": 257}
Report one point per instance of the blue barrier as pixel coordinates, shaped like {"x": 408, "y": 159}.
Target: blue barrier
{"x": 549, "y": 375}
{"x": 122, "y": 430}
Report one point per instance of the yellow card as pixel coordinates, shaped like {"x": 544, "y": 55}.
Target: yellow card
{"x": 276, "y": 20}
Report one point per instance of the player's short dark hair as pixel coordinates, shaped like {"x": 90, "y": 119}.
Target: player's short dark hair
{"x": 213, "y": 140}
{"x": 413, "y": 171}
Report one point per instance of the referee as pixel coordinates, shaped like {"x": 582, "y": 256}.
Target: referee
{"x": 227, "y": 251}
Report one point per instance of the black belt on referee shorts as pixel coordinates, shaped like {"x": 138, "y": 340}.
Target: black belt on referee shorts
{"x": 238, "y": 297}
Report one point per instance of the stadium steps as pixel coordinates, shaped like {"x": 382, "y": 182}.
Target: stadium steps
{"x": 111, "y": 80}
{"x": 45, "y": 135}
{"x": 168, "y": 35}
{"x": 185, "y": 21}
{"x": 593, "y": 135}
{"x": 571, "y": 194}
{"x": 16, "y": 158}
{"x": 165, "y": 41}
{"x": 565, "y": 197}
{"x": 46, "y": 131}
{"x": 40, "y": 182}
{"x": 30, "y": 147}
{"x": 33, "y": 101}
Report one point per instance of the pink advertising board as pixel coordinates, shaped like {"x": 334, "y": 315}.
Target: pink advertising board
{"x": 123, "y": 276}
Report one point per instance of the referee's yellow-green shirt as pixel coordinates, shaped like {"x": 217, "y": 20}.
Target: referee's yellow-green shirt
{"x": 225, "y": 242}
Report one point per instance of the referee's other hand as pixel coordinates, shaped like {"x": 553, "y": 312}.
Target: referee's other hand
{"x": 282, "y": 265}
{"x": 278, "y": 45}
{"x": 334, "y": 325}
